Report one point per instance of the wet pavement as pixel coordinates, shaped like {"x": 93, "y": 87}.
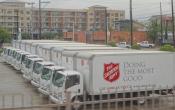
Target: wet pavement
{"x": 15, "y": 91}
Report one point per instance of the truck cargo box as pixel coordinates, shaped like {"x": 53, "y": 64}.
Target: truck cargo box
{"x": 58, "y": 52}
{"x": 108, "y": 72}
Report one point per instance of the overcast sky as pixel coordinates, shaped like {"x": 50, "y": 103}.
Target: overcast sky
{"x": 141, "y": 8}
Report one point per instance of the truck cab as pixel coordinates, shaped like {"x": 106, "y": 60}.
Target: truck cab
{"x": 11, "y": 54}
{"x": 64, "y": 82}
{"x": 19, "y": 58}
{"x": 24, "y": 61}
{"x": 29, "y": 67}
{"x": 37, "y": 71}
{"x": 46, "y": 78}
{"x": 5, "y": 53}
{"x": 14, "y": 57}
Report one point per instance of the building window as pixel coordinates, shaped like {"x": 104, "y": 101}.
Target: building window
{"x": 116, "y": 15}
{"x": 22, "y": 24}
{"x": 22, "y": 12}
{"x": 9, "y": 18}
{"x": 10, "y": 24}
{"x": 28, "y": 12}
{"x": 121, "y": 14}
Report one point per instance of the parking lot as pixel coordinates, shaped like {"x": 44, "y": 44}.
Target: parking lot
{"x": 16, "y": 92}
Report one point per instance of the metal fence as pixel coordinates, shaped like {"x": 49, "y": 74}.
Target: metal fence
{"x": 125, "y": 101}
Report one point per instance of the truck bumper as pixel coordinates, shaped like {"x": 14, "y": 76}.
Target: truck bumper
{"x": 55, "y": 100}
{"x": 43, "y": 91}
{"x": 22, "y": 71}
{"x": 34, "y": 84}
{"x": 17, "y": 67}
{"x": 26, "y": 77}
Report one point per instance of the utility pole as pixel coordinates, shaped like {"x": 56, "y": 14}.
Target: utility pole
{"x": 31, "y": 19}
{"x": 131, "y": 23}
{"x": 17, "y": 30}
{"x": 173, "y": 21}
{"x": 73, "y": 29}
{"x": 40, "y": 25}
{"x": 106, "y": 26}
{"x": 161, "y": 28}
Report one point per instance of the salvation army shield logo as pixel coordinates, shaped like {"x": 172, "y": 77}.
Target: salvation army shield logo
{"x": 111, "y": 72}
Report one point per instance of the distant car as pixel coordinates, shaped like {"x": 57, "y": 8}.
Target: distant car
{"x": 123, "y": 45}
{"x": 146, "y": 44}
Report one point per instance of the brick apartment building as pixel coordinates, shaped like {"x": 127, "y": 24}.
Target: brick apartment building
{"x": 14, "y": 14}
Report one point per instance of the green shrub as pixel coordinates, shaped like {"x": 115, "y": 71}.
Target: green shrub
{"x": 135, "y": 46}
{"x": 112, "y": 44}
{"x": 167, "y": 47}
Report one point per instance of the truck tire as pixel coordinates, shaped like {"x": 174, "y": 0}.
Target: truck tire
{"x": 76, "y": 105}
{"x": 150, "y": 46}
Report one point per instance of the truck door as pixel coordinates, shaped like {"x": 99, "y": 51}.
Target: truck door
{"x": 73, "y": 84}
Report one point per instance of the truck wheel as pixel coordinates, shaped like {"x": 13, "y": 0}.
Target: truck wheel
{"x": 140, "y": 101}
{"x": 76, "y": 103}
{"x": 150, "y": 46}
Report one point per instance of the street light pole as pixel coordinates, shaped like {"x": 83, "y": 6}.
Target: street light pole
{"x": 17, "y": 23}
{"x": 39, "y": 37}
{"x": 31, "y": 19}
{"x": 106, "y": 26}
{"x": 173, "y": 21}
{"x": 73, "y": 38}
{"x": 131, "y": 21}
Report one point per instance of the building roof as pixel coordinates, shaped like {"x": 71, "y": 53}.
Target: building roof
{"x": 97, "y": 6}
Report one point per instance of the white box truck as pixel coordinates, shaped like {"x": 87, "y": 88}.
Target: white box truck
{"x": 69, "y": 60}
{"x": 28, "y": 45}
{"x": 45, "y": 84}
{"x": 6, "y": 52}
{"x": 35, "y": 46}
{"x": 24, "y": 59}
{"x": 46, "y": 78}
{"x": 56, "y": 53}
{"x": 37, "y": 70}
{"x": 20, "y": 44}
{"x": 11, "y": 55}
{"x": 107, "y": 73}
{"x": 19, "y": 59}
{"x": 45, "y": 50}
{"x": 28, "y": 69}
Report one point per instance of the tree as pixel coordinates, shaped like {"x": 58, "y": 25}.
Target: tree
{"x": 48, "y": 35}
{"x": 4, "y": 36}
{"x": 153, "y": 29}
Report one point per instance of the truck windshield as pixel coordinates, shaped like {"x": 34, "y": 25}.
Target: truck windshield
{"x": 18, "y": 57}
{"x": 29, "y": 63}
{"x": 46, "y": 73}
{"x": 37, "y": 68}
{"x": 58, "y": 79}
{"x": 23, "y": 59}
{"x": 72, "y": 81}
{"x": 14, "y": 54}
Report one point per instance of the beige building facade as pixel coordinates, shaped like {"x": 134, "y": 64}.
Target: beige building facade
{"x": 14, "y": 14}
